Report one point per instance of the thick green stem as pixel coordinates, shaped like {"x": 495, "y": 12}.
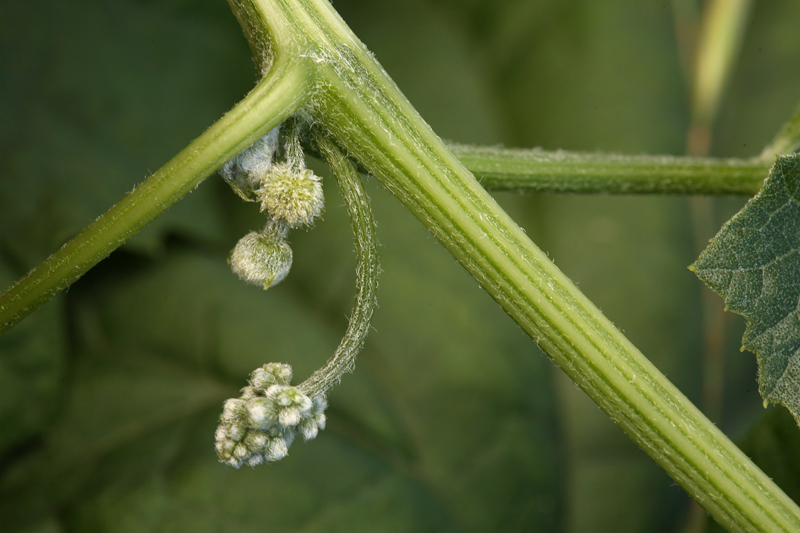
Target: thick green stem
{"x": 368, "y": 115}
{"x": 535, "y": 171}
{"x": 358, "y": 207}
{"x": 277, "y": 96}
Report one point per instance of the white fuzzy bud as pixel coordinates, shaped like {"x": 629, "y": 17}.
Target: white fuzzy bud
{"x": 239, "y": 451}
{"x": 255, "y": 460}
{"x": 289, "y": 417}
{"x": 270, "y": 374}
{"x": 281, "y": 371}
{"x": 308, "y": 428}
{"x": 318, "y": 405}
{"x": 276, "y": 450}
{"x": 256, "y": 441}
{"x": 237, "y": 432}
{"x": 232, "y": 410}
{"x": 261, "y": 259}
{"x": 245, "y": 171}
{"x": 262, "y": 413}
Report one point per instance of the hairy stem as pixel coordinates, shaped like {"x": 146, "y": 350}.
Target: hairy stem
{"x": 358, "y": 207}
{"x": 537, "y": 171}
{"x": 276, "y": 97}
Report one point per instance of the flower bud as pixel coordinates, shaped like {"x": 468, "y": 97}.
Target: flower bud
{"x": 308, "y": 428}
{"x": 244, "y": 171}
{"x": 261, "y": 259}
{"x": 262, "y": 413}
{"x": 270, "y": 374}
{"x": 290, "y": 195}
{"x": 233, "y": 410}
{"x": 276, "y": 449}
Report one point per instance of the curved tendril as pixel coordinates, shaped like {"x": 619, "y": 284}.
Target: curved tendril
{"x": 363, "y": 224}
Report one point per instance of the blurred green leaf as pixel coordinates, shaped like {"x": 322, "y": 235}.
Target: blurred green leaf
{"x": 32, "y": 366}
{"x": 97, "y": 96}
{"x": 161, "y": 347}
{"x": 753, "y": 264}
{"x": 774, "y": 444}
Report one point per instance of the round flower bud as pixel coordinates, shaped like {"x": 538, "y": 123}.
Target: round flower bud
{"x": 261, "y": 259}
{"x": 270, "y": 374}
{"x": 291, "y": 196}
{"x": 255, "y": 460}
{"x": 236, "y": 432}
{"x": 308, "y": 428}
{"x": 256, "y": 441}
{"x": 245, "y": 171}
{"x": 262, "y": 413}
{"x": 276, "y": 449}
{"x": 233, "y": 410}
{"x": 240, "y": 451}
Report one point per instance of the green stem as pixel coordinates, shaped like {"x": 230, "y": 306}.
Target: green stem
{"x": 368, "y": 115}
{"x": 536, "y": 171}
{"x": 276, "y": 97}
{"x": 358, "y": 207}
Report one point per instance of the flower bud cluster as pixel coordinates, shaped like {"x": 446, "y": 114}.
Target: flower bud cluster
{"x": 260, "y": 425}
{"x": 289, "y": 193}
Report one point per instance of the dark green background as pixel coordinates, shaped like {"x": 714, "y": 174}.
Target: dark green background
{"x": 453, "y": 420}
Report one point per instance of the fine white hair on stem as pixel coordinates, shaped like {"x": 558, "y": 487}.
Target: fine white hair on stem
{"x": 363, "y": 223}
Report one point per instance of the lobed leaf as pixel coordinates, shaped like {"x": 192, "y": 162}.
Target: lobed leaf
{"x": 754, "y": 264}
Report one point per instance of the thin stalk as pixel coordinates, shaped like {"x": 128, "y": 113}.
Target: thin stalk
{"x": 275, "y": 98}
{"x": 357, "y": 202}
{"x": 539, "y": 171}
{"x": 686, "y": 16}
{"x": 721, "y": 37}
{"x": 371, "y": 119}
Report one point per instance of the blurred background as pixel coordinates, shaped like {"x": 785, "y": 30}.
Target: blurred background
{"x": 453, "y": 419}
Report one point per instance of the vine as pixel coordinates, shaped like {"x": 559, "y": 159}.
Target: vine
{"x": 313, "y": 65}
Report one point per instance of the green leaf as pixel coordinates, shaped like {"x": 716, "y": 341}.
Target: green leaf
{"x": 754, "y": 264}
